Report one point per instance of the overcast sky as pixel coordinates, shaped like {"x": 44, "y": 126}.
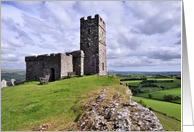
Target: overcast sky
{"x": 141, "y": 35}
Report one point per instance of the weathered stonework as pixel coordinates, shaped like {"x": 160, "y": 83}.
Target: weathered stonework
{"x": 91, "y": 58}
{"x": 93, "y": 43}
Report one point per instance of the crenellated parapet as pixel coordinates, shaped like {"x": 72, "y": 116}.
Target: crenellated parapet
{"x": 44, "y": 57}
{"x": 97, "y": 20}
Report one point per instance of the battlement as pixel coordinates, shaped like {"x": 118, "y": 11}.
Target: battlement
{"x": 76, "y": 53}
{"x": 97, "y": 20}
{"x": 44, "y": 56}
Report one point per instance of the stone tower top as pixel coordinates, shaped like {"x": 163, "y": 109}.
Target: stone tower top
{"x": 96, "y": 20}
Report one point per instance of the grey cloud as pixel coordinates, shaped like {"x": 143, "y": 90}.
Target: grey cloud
{"x": 155, "y": 17}
{"x": 164, "y": 55}
{"x": 9, "y": 58}
{"x": 178, "y": 42}
{"x": 131, "y": 63}
{"x": 12, "y": 26}
{"x": 12, "y": 41}
{"x": 179, "y": 35}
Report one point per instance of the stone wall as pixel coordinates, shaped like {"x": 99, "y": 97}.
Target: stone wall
{"x": 41, "y": 65}
{"x": 92, "y": 34}
{"x": 34, "y": 67}
{"x": 102, "y": 47}
{"x": 78, "y": 61}
{"x": 66, "y": 64}
{"x": 102, "y": 60}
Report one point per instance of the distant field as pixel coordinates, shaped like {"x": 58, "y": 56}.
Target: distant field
{"x": 133, "y": 82}
{"x": 171, "y": 109}
{"x": 161, "y": 79}
{"x": 160, "y": 94}
{"x": 172, "y": 84}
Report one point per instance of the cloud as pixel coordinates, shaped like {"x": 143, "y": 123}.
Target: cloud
{"x": 165, "y": 54}
{"x": 178, "y": 42}
{"x": 12, "y": 42}
{"x": 155, "y": 17}
{"x": 10, "y": 57}
{"x": 139, "y": 34}
{"x": 15, "y": 27}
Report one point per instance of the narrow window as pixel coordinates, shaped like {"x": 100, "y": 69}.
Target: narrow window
{"x": 103, "y": 66}
{"x": 89, "y": 31}
{"x": 88, "y": 45}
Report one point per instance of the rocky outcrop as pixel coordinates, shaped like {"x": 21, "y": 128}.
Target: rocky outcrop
{"x": 111, "y": 113}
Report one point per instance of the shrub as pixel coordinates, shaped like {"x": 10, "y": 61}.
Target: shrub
{"x": 150, "y": 108}
{"x": 168, "y": 97}
{"x": 165, "y": 97}
{"x": 150, "y": 95}
{"x": 142, "y": 103}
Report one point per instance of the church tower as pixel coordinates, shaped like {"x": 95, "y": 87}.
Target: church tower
{"x": 93, "y": 43}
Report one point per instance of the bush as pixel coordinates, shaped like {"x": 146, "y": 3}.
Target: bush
{"x": 168, "y": 97}
{"x": 141, "y": 102}
{"x": 150, "y": 95}
{"x": 150, "y": 108}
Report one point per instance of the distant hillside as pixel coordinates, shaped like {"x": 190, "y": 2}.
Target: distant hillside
{"x": 8, "y": 74}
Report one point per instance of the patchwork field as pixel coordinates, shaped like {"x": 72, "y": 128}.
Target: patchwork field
{"x": 171, "y": 109}
{"x": 160, "y": 94}
{"x": 133, "y": 82}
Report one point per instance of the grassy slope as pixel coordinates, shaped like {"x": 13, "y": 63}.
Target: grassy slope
{"x": 168, "y": 124}
{"x": 160, "y": 94}
{"x": 171, "y": 109}
{"x": 27, "y": 106}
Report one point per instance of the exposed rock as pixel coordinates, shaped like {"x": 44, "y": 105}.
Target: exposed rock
{"x": 13, "y": 81}
{"x": 117, "y": 115}
{"x": 43, "y": 127}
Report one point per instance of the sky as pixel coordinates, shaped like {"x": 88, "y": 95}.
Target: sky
{"x": 140, "y": 35}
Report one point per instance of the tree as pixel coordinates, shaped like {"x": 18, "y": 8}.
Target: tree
{"x": 150, "y": 95}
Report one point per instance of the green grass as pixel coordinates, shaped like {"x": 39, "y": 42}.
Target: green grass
{"x": 171, "y": 109}
{"x": 26, "y": 106}
{"x": 133, "y": 82}
{"x": 172, "y": 84}
{"x": 161, "y": 79}
{"x": 160, "y": 94}
{"x": 168, "y": 124}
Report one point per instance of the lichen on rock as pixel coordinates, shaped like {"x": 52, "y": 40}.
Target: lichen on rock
{"x": 113, "y": 114}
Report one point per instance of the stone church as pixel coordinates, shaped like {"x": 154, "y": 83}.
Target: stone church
{"x": 90, "y": 59}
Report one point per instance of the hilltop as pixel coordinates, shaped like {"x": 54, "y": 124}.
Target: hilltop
{"x": 63, "y": 104}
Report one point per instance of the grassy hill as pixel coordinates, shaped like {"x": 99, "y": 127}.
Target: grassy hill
{"x": 60, "y": 103}
{"x": 27, "y": 106}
